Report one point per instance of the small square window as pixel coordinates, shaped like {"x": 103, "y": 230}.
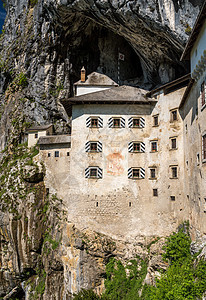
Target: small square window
{"x": 68, "y": 153}
{"x": 56, "y": 154}
{"x": 93, "y": 172}
{"x": 94, "y": 122}
{"x": 173, "y": 143}
{"x": 116, "y": 122}
{"x": 136, "y": 173}
{"x": 153, "y": 173}
{"x": 154, "y": 146}
{"x": 93, "y": 147}
{"x": 36, "y": 135}
{"x": 155, "y": 121}
{"x": 136, "y": 147}
{"x": 155, "y": 192}
{"x": 174, "y": 115}
{"x": 172, "y": 198}
{"x": 174, "y": 172}
{"x": 49, "y": 154}
{"x": 136, "y": 122}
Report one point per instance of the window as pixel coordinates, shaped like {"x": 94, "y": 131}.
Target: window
{"x": 152, "y": 173}
{"x": 204, "y": 146}
{"x": 97, "y": 204}
{"x": 198, "y": 159}
{"x": 155, "y": 192}
{"x": 172, "y": 198}
{"x": 56, "y": 153}
{"x": 130, "y": 204}
{"x": 136, "y": 173}
{"x": 94, "y": 122}
{"x": 49, "y": 154}
{"x": 174, "y": 115}
{"x": 93, "y": 147}
{"x": 153, "y": 146}
{"x": 68, "y": 154}
{"x": 136, "y": 122}
{"x": 173, "y": 171}
{"x": 136, "y": 147}
{"x": 203, "y": 95}
{"x": 173, "y": 143}
{"x": 36, "y": 135}
{"x": 116, "y": 122}
{"x": 93, "y": 172}
{"x": 155, "y": 120}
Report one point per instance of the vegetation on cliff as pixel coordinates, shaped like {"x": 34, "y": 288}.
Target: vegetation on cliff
{"x": 185, "y": 277}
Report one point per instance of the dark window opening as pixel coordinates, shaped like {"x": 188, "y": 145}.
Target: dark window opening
{"x": 130, "y": 204}
{"x": 154, "y": 146}
{"x": 36, "y": 135}
{"x": 116, "y": 122}
{"x": 136, "y": 122}
{"x": 155, "y": 120}
{"x": 93, "y": 172}
{"x": 136, "y": 147}
{"x": 93, "y": 147}
{"x": 174, "y": 172}
{"x": 56, "y": 154}
{"x": 153, "y": 173}
{"x": 155, "y": 192}
{"x": 136, "y": 173}
{"x": 174, "y": 143}
{"x": 47, "y": 191}
{"x": 172, "y": 198}
{"x": 174, "y": 115}
{"x": 94, "y": 122}
{"x": 97, "y": 204}
{"x": 49, "y": 154}
{"x": 68, "y": 153}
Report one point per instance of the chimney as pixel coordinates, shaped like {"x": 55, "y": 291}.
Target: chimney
{"x": 83, "y": 73}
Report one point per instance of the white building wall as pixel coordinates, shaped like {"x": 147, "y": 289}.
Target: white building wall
{"x": 147, "y": 215}
{"x": 83, "y": 90}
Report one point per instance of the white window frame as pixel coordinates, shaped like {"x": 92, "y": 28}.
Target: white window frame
{"x": 153, "y": 141}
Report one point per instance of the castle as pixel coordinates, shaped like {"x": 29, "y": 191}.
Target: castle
{"x": 135, "y": 163}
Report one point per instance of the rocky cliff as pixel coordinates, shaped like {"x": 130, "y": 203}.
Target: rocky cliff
{"x": 43, "y": 47}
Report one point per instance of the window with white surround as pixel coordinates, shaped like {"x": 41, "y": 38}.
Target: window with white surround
{"x": 116, "y": 122}
{"x": 136, "y": 147}
{"x": 136, "y": 173}
{"x": 156, "y": 120}
{"x": 153, "y": 145}
{"x": 94, "y": 122}
{"x": 136, "y": 122}
{"x": 153, "y": 172}
{"x": 93, "y": 146}
{"x": 204, "y": 147}
{"x": 93, "y": 172}
{"x": 173, "y": 143}
{"x": 56, "y": 154}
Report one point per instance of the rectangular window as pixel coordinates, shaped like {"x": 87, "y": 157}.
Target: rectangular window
{"x": 49, "y": 154}
{"x": 204, "y": 147}
{"x": 116, "y": 122}
{"x": 173, "y": 143}
{"x": 56, "y": 154}
{"x": 154, "y": 146}
{"x": 155, "y": 192}
{"x": 94, "y": 122}
{"x": 93, "y": 147}
{"x": 153, "y": 173}
{"x": 136, "y": 147}
{"x": 68, "y": 153}
{"x": 172, "y": 198}
{"x": 203, "y": 93}
{"x": 174, "y": 172}
{"x": 155, "y": 121}
{"x": 36, "y": 135}
{"x": 136, "y": 173}
{"x": 174, "y": 115}
{"x": 136, "y": 122}
{"x": 93, "y": 172}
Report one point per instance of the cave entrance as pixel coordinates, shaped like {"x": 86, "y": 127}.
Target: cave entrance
{"x": 97, "y": 49}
